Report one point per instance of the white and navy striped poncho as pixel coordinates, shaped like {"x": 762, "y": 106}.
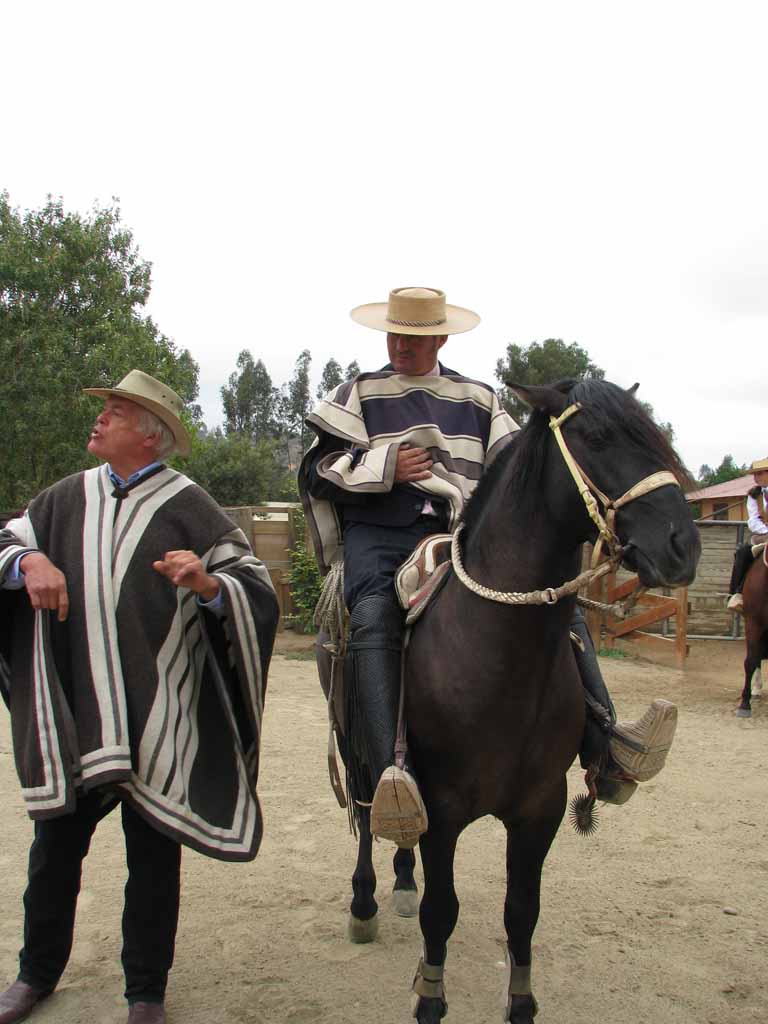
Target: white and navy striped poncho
{"x": 459, "y": 421}
{"x": 140, "y": 689}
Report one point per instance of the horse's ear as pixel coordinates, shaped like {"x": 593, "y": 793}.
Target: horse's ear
{"x": 633, "y": 389}
{"x": 548, "y": 400}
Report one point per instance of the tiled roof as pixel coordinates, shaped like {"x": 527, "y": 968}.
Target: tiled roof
{"x": 738, "y": 488}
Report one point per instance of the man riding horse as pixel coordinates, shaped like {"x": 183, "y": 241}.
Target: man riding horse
{"x": 397, "y": 455}
{"x": 757, "y": 513}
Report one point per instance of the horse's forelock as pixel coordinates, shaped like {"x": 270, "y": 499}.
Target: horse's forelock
{"x": 611, "y": 411}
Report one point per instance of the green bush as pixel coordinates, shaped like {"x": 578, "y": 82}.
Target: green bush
{"x": 304, "y": 578}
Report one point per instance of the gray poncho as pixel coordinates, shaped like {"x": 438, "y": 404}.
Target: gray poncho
{"x": 141, "y": 690}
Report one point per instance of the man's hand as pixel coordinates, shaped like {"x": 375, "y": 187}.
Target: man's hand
{"x": 412, "y": 464}
{"x": 184, "y": 569}
{"x": 46, "y": 585}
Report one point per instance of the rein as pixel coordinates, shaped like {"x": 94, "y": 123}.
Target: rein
{"x": 605, "y": 526}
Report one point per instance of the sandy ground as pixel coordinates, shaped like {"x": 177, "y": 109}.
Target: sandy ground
{"x": 661, "y": 917}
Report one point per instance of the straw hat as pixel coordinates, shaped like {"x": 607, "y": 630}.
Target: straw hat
{"x": 759, "y": 466}
{"x": 152, "y": 394}
{"x": 416, "y": 311}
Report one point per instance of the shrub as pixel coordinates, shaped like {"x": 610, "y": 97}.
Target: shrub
{"x": 304, "y": 577}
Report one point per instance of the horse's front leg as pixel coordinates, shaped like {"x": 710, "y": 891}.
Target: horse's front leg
{"x": 528, "y": 842}
{"x": 751, "y": 665}
{"x": 438, "y": 914}
{"x": 363, "y": 925}
{"x": 405, "y": 892}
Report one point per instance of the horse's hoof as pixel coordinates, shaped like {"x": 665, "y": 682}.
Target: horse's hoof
{"x": 362, "y": 931}
{"x": 743, "y": 713}
{"x": 428, "y": 1011}
{"x": 405, "y": 902}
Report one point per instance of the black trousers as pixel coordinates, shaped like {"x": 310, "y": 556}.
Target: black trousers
{"x": 150, "y": 912}
{"x": 742, "y": 559}
{"x": 373, "y": 554}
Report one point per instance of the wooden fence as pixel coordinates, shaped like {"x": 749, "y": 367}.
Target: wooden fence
{"x": 709, "y": 591}
{"x": 646, "y": 627}
{"x": 270, "y": 529}
{"x": 664, "y": 620}
{"x": 271, "y": 532}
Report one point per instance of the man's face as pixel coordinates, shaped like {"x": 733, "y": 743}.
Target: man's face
{"x": 414, "y": 354}
{"x": 115, "y": 437}
{"x": 761, "y": 477}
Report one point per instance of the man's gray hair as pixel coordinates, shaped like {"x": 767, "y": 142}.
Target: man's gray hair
{"x": 149, "y": 424}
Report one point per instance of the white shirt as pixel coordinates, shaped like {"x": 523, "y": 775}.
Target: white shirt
{"x": 754, "y": 520}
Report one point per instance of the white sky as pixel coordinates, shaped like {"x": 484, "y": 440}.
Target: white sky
{"x": 590, "y": 171}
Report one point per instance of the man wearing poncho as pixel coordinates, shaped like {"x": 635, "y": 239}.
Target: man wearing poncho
{"x": 135, "y": 636}
{"x": 396, "y": 457}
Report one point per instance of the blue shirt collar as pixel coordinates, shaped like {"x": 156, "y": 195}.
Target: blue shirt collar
{"x": 134, "y": 477}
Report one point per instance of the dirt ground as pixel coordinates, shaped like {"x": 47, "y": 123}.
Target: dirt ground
{"x": 661, "y": 917}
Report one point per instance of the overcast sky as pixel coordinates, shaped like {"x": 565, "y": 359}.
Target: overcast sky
{"x": 590, "y": 171}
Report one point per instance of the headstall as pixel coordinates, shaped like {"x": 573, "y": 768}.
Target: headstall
{"x": 591, "y": 495}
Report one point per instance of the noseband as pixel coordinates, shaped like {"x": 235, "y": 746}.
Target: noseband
{"x": 591, "y": 495}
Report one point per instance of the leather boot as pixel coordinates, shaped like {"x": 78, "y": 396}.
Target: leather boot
{"x": 625, "y": 752}
{"x": 18, "y": 1001}
{"x": 375, "y": 648}
{"x": 742, "y": 560}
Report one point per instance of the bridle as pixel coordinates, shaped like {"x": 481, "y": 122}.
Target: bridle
{"x": 604, "y": 521}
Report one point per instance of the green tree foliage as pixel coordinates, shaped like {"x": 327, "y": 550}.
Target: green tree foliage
{"x": 353, "y": 370}
{"x": 296, "y": 401}
{"x": 238, "y": 471}
{"x": 250, "y": 402}
{"x": 72, "y": 292}
{"x": 727, "y": 470}
{"x": 666, "y": 428}
{"x": 331, "y": 378}
{"x": 541, "y": 363}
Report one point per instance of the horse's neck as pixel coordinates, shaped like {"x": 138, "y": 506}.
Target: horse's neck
{"x": 517, "y": 549}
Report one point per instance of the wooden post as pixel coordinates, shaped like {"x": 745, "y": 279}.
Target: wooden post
{"x": 681, "y": 627}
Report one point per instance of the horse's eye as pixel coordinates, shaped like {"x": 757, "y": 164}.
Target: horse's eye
{"x": 598, "y": 440}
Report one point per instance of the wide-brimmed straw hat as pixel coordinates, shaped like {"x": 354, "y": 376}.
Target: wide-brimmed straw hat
{"x": 416, "y": 311}
{"x": 759, "y": 466}
{"x": 152, "y": 394}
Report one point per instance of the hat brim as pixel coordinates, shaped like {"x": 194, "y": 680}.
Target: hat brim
{"x": 374, "y": 314}
{"x": 174, "y": 424}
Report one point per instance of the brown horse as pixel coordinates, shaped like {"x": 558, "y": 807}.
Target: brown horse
{"x": 494, "y": 704}
{"x": 755, "y": 614}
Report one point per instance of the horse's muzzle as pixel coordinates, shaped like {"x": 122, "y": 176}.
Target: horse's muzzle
{"x": 671, "y": 564}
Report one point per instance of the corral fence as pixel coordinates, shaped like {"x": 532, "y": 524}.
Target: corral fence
{"x": 664, "y": 620}
{"x": 271, "y": 530}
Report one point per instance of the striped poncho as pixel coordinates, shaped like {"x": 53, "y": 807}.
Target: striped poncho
{"x": 459, "y": 421}
{"x": 140, "y": 690}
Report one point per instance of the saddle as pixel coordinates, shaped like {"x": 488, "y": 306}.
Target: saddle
{"x": 422, "y": 574}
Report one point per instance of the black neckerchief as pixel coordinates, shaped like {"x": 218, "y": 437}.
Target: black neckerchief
{"x": 122, "y": 491}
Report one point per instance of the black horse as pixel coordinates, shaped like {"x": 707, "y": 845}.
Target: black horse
{"x": 494, "y": 704}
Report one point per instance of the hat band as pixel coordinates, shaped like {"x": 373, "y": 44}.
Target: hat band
{"x": 416, "y": 323}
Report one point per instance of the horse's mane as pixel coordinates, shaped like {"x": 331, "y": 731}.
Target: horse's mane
{"x": 608, "y": 412}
